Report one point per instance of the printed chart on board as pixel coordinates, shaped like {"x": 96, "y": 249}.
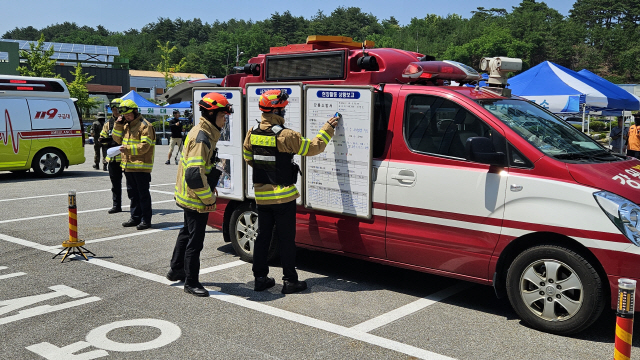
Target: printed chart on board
{"x": 339, "y": 179}
{"x": 229, "y": 145}
{"x": 292, "y": 120}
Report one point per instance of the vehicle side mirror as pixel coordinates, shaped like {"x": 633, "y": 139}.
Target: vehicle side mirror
{"x": 481, "y": 149}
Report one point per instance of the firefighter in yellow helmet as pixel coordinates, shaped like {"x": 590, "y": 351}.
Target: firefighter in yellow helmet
{"x": 115, "y": 170}
{"x": 138, "y": 140}
{"x": 269, "y": 148}
{"x": 196, "y": 191}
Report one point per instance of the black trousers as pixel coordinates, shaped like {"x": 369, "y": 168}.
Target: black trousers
{"x": 97, "y": 148}
{"x": 138, "y": 193}
{"x": 634, "y": 153}
{"x": 283, "y": 217}
{"x": 186, "y": 253}
{"x": 115, "y": 175}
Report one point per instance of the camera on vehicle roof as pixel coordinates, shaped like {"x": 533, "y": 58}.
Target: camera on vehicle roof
{"x": 498, "y": 67}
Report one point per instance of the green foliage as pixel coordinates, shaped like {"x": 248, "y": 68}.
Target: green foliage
{"x": 39, "y": 63}
{"x": 78, "y": 90}
{"x": 598, "y": 126}
{"x": 599, "y": 35}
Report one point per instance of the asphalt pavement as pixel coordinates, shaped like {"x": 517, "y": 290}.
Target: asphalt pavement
{"x": 119, "y": 305}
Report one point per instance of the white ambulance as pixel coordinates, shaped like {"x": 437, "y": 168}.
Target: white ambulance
{"x": 40, "y": 126}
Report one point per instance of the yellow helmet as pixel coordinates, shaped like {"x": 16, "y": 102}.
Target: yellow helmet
{"x": 127, "y": 106}
{"x": 115, "y": 103}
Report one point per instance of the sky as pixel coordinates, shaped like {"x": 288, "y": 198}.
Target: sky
{"x": 121, "y": 15}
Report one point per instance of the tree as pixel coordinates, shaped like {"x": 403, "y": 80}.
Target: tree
{"x": 39, "y": 62}
{"x": 167, "y": 67}
{"x": 78, "y": 90}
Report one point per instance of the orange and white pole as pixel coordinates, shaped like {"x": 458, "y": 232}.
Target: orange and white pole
{"x": 73, "y": 217}
{"x": 624, "y": 320}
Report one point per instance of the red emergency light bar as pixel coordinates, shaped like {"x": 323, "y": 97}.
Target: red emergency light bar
{"x": 30, "y": 85}
{"x": 443, "y": 70}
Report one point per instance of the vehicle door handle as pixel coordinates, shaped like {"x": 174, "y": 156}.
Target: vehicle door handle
{"x": 405, "y": 176}
{"x": 516, "y": 188}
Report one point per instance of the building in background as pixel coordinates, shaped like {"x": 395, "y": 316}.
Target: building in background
{"x": 147, "y": 83}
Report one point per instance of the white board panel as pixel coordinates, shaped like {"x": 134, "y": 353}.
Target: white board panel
{"x": 231, "y": 185}
{"x": 292, "y": 120}
{"x": 339, "y": 179}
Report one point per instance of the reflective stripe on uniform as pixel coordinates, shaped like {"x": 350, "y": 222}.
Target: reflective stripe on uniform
{"x": 193, "y": 161}
{"x": 277, "y": 193}
{"x": 248, "y": 155}
{"x": 188, "y": 202}
{"x": 205, "y": 194}
{"x": 304, "y": 147}
{"x": 131, "y": 165}
{"x": 264, "y": 158}
{"x": 324, "y": 136}
{"x": 263, "y": 140}
{"x": 117, "y": 133}
{"x": 147, "y": 140}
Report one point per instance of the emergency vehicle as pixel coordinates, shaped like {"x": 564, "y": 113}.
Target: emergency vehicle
{"x": 40, "y": 126}
{"x": 469, "y": 182}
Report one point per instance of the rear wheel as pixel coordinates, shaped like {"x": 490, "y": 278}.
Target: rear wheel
{"x": 48, "y": 163}
{"x": 555, "y": 289}
{"x": 243, "y": 231}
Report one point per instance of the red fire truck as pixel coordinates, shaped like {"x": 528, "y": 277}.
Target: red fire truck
{"x": 469, "y": 182}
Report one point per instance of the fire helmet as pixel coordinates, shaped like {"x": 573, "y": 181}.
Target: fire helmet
{"x": 272, "y": 99}
{"x": 127, "y": 106}
{"x": 115, "y": 103}
{"x": 216, "y": 101}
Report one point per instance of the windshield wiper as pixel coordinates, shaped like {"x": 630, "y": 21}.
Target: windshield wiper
{"x": 572, "y": 156}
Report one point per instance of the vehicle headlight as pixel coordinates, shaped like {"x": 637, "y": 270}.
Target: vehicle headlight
{"x": 624, "y": 214}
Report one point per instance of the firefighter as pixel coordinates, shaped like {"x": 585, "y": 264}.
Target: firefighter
{"x": 115, "y": 170}
{"x": 176, "y": 135}
{"x": 269, "y": 148}
{"x": 196, "y": 191}
{"x": 138, "y": 138}
{"x": 98, "y": 147}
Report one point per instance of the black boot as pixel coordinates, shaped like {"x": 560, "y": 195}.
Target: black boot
{"x": 115, "y": 209}
{"x": 263, "y": 283}
{"x": 197, "y": 290}
{"x": 291, "y": 287}
{"x": 176, "y": 275}
{"x": 104, "y": 167}
{"x": 130, "y": 223}
{"x": 96, "y": 166}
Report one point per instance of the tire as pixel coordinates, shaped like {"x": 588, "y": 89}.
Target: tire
{"x": 243, "y": 230}
{"x": 48, "y": 163}
{"x": 554, "y": 289}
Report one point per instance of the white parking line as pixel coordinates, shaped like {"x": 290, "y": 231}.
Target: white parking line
{"x": 7, "y": 276}
{"x": 138, "y": 233}
{"x": 79, "y": 192}
{"x": 222, "y": 267}
{"x": 283, "y": 314}
{"x": 410, "y": 308}
{"x": 162, "y": 192}
{"x": 67, "y": 213}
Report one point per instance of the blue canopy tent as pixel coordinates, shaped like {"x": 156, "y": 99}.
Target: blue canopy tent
{"x": 181, "y": 106}
{"x": 561, "y": 90}
{"x": 145, "y": 106}
{"x": 626, "y": 100}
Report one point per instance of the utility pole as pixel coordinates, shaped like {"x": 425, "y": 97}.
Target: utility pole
{"x": 238, "y": 53}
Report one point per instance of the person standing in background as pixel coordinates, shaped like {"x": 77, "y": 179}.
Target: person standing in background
{"x": 96, "y": 129}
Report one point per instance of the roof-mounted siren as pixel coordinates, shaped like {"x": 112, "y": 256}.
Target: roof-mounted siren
{"x": 498, "y": 67}
{"x": 422, "y": 71}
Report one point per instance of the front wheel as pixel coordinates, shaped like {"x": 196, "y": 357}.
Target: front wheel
{"x": 243, "y": 231}
{"x": 555, "y": 289}
{"x": 48, "y": 163}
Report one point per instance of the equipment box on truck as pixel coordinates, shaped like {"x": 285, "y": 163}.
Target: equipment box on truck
{"x": 40, "y": 126}
{"x": 467, "y": 182}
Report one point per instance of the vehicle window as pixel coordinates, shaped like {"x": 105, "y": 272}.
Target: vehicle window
{"x": 547, "y": 132}
{"x": 381, "y": 113}
{"x": 439, "y": 126}
{"x": 516, "y": 159}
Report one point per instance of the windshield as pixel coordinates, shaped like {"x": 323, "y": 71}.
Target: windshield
{"x": 545, "y": 131}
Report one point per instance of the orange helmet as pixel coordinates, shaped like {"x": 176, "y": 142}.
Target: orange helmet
{"x": 272, "y": 99}
{"x": 216, "y": 101}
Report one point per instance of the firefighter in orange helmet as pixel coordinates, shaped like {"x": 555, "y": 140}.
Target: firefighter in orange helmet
{"x": 269, "y": 148}
{"x": 196, "y": 191}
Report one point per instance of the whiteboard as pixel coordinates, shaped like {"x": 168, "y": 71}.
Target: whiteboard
{"x": 339, "y": 179}
{"x": 229, "y": 145}
{"x": 292, "y": 120}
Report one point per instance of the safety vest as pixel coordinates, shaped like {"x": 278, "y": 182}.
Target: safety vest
{"x": 107, "y": 130}
{"x": 634, "y": 138}
{"x": 271, "y": 166}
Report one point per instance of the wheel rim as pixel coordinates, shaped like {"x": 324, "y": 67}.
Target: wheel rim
{"x": 551, "y": 290}
{"x": 247, "y": 231}
{"x": 50, "y": 163}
